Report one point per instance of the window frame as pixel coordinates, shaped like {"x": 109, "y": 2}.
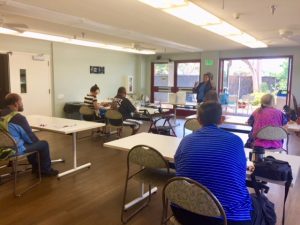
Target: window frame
{"x": 289, "y": 78}
{"x": 174, "y": 88}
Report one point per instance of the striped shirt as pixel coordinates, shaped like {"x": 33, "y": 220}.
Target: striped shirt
{"x": 216, "y": 159}
{"x": 89, "y": 100}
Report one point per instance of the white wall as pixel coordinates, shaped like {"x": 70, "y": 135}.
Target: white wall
{"x": 71, "y": 79}
{"x": 216, "y": 55}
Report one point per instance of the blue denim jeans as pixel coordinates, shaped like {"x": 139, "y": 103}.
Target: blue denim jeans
{"x": 43, "y": 148}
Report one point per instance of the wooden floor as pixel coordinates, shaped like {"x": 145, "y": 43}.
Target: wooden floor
{"x": 93, "y": 196}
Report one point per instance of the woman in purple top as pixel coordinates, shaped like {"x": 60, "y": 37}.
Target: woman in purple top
{"x": 264, "y": 116}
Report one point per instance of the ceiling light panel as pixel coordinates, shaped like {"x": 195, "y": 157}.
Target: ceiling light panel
{"x": 61, "y": 39}
{"x": 192, "y": 13}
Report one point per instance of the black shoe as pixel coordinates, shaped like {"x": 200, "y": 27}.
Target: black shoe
{"x": 50, "y": 173}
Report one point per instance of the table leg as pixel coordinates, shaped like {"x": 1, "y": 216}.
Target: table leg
{"x": 57, "y": 161}
{"x": 141, "y": 198}
{"x": 75, "y": 167}
{"x": 175, "y": 124}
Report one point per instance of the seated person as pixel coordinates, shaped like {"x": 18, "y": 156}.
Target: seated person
{"x": 216, "y": 159}
{"x": 266, "y": 115}
{"x": 211, "y": 95}
{"x": 126, "y": 108}
{"x": 26, "y": 140}
{"x": 91, "y": 100}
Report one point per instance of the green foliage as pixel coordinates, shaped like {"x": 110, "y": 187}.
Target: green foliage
{"x": 264, "y": 87}
{"x": 257, "y": 97}
{"x": 161, "y": 69}
{"x": 281, "y": 76}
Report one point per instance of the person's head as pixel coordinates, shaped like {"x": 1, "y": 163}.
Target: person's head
{"x": 95, "y": 90}
{"x": 267, "y": 100}
{"x": 122, "y": 91}
{"x": 210, "y": 113}
{"x": 211, "y": 96}
{"x": 14, "y": 102}
{"x": 207, "y": 77}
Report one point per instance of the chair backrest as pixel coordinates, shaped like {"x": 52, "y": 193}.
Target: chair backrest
{"x": 192, "y": 125}
{"x": 8, "y": 145}
{"x": 272, "y": 133}
{"x": 192, "y": 196}
{"x": 86, "y": 111}
{"x": 5, "y": 120}
{"x": 147, "y": 157}
{"x": 295, "y": 105}
{"x": 114, "y": 118}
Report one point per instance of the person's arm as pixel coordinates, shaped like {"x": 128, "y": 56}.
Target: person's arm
{"x": 250, "y": 121}
{"x": 96, "y": 104}
{"x": 129, "y": 105}
{"x": 284, "y": 119}
{"x": 196, "y": 87}
{"x": 24, "y": 136}
{"x": 22, "y": 122}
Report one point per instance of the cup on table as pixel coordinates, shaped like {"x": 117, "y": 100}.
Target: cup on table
{"x": 257, "y": 154}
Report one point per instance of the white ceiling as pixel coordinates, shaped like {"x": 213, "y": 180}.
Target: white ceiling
{"x": 124, "y": 22}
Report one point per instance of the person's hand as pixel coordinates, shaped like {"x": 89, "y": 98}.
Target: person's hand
{"x": 251, "y": 168}
{"x": 196, "y": 83}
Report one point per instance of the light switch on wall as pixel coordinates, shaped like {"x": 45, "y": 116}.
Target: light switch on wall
{"x": 60, "y": 96}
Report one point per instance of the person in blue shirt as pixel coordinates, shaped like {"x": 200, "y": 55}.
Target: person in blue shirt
{"x": 224, "y": 97}
{"x": 216, "y": 159}
{"x": 201, "y": 88}
{"x": 26, "y": 140}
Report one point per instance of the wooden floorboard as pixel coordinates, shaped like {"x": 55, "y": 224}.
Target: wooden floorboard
{"x": 93, "y": 196}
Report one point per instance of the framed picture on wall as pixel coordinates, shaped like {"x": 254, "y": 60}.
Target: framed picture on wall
{"x": 130, "y": 85}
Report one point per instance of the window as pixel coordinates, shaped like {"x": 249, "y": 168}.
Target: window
{"x": 23, "y": 82}
{"x": 187, "y": 74}
{"x": 170, "y": 78}
{"x": 250, "y": 78}
{"x": 162, "y": 75}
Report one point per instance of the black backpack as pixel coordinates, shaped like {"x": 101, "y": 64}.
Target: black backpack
{"x": 264, "y": 210}
{"x": 275, "y": 169}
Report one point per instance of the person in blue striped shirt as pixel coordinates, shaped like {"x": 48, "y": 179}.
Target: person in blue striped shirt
{"x": 216, "y": 159}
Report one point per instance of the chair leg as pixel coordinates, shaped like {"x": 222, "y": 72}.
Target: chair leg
{"x": 125, "y": 220}
{"x": 15, "y": 171}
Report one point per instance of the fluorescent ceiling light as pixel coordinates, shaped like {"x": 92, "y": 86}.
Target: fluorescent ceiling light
{"x": 247, "y": 40}
{"x": 61, "y": 39}
{"x": 256, "y": 44}
{"x": 7, "y": 31}
{"x": 194, "y": 14}
{"x": 84, "y": 43}
{"x": 45, "y": 37}
{"x": 223, "y": 29}
{"x": 162, "y": 4}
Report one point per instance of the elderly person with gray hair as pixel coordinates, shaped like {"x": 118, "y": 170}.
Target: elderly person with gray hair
{"x": 265, "y": 115}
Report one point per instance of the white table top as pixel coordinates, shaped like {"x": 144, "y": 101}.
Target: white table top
{"x": 167, "y": 146}
{"x": 60, "y": 125}
{"x": 237, "y": 120}
{"x": 152, "y": 111}
{"x": 293, "y": 127}
{"x": 241, "y": 120}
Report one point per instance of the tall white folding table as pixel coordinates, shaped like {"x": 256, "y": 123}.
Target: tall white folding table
{"x": 236, "y": 120}
{"x": 167, "y": 146}
{"x": 64, "y": 126}
{"x": 241, "y": 120}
